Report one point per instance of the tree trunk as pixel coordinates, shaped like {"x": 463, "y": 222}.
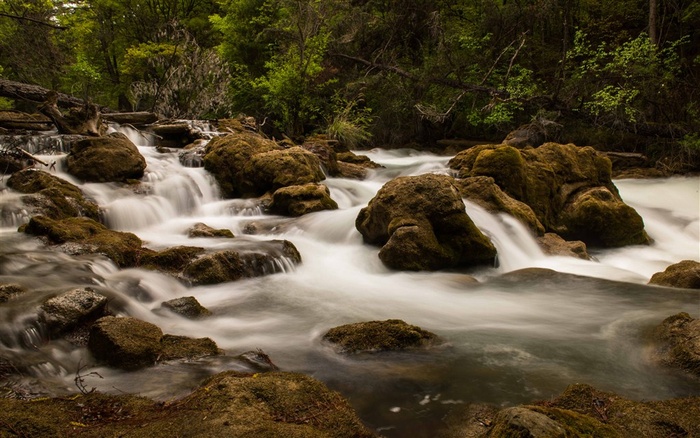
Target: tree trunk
{"x": 85, "y": 120}
{"x": 37, "y": 94}
{"x": 653, "y": 30}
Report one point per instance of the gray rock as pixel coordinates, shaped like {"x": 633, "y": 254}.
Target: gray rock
{"x": 71, "y": 309}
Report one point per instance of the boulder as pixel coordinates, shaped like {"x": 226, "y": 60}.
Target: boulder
{"x": 203, "y": 230}
{"x": 685, "y": 274}
{"x": 300, "y": 200}
{"x": 229, "y": 404}
{"x": 225, "y": 157}
{"x": 553, "y": 244}
{"x": 110, "y": 158}
{"x": 553, "y": 178}
{"x": 188, "y": 307}
{"x": 129, "y": 343}
{"x": 71, "y": 309}
{"x": 483, "y": 191}
{"x": 172, "y": 260}
{"x": 599, "y": 218}
{"x": 126, "y": 343}
{"x": 520, "y": 421}
{"x": 10, "y": 290}
{"x": 678, "y": 343}
{"x": 321, "y": 147}
{"x": 192, "y": 155}
{"x": 269, "y": 171}
{"x": 421, "y": 224}
{"x": 232, "y": 265}
{"x": 51, "y": 196}
{"x": 85, "y": 236}
{"x": 373, "y": 336}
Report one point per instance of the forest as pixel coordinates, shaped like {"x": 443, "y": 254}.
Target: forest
{"x": 621, "y": 75}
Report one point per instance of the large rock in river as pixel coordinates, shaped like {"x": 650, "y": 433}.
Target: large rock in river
{"x": 678, "y": 342}
{"x": 303, "y": 199}
{"x": 247, "y": 165}
{"x": 569, "y": 188}
{"x": 373, "y": 336}
{"x": 685, "y": 274}
{"x": 421, "y": 224}
{"x": 111, "y": 158}
{"x": 51, "y": 196}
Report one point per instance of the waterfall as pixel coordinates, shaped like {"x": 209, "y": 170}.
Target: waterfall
{"x": 511, "y": 338}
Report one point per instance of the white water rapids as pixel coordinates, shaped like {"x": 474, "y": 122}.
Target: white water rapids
{"x": 510, "y": 338}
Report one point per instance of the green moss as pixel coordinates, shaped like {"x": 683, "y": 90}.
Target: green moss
{"x": 505, "y": 165}
{"x": 392, "y": 334}
{"x": 172, "y": 260}
{"x": 179, "y": 347}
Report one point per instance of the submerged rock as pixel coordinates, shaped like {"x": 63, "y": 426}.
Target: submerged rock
{"x": 228, "y": 404}
{"x": 569, "y": 189}
{"x": 301, "y": 200}
{"x": 373, "y": 336}
{"x": 685, "y": 274}
{"x": 203, "y": 230}
{"x": 85, "y": 236}
{"x": 110, "y": 158}
{"x": 554, "y": 244}
{"x": 421, "y": 224}
{"x": 188, "y": 307}
{"x": 10, "y": 290}
{"x": 678, "y": 343}
{"x": 51, "y": 196}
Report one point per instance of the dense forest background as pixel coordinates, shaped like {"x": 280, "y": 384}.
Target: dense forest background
{"x": 622, "y": 74}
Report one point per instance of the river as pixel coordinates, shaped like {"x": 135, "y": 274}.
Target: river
{"x": 512, "y": 337}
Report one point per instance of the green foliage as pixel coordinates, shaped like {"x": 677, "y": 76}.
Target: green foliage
{"x": 350, "y": 122}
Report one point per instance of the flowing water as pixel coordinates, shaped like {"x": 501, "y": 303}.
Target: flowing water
{"x": 511, "y": 338}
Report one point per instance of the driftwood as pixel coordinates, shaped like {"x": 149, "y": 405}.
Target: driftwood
{"x": 37, "y": 94}
{"x": 84, "y": 120}
{"x": 135, "y": 118}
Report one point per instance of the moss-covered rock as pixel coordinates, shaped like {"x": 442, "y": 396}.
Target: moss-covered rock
{"x": 321, "y": 147}
{"x": 110, "y": 158}
{"x": 553, "y": 178}
{"x": 373, "y": 336}
{"x": 71, "y": 309}
{"x": 188, "y": 307}
{"x": 85, "y": 236}
{"x": 421, "y": 224}
{"x": 52, "y": 196}
{"x": 301, "y": 200}
{"x": 266, "y": 405}
{"x": 483, "y": 191}
{"x": 231, "y": 265}
{"x": 678, "y": 342}
{"x": 269, "y": 171}
{"x": 183, "y": 347}
{"x": 203, "y": 230}
{"x": 171, "y": 260}
{"x": 685, "y": 274}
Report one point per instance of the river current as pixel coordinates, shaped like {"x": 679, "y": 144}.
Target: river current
{"x": 512, "y": 337}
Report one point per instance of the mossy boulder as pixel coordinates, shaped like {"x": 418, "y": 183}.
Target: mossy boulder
{"x": 203, "y": 230}
{"x": 110, "y": 158}
{"x": 677, "y": 341}
{"x": 685, "y": 274}
{"x": 561, "y": 184}
{"x": 188, "y": 307}
{"x": 554, "y": 244}
{"x": 228, "y": 404}
{"x": 421, "y": 224}
{"x": 301, "y": 199}
{"x": 171, "y": 260}
{"x": 52, "y": 196}
{"x": 247, "y": 165}
{"x": 129, "y": 343}
{"x": 374, "y": 336}
{"x": 321, "y": 147}
{"x": 85, "y": 236}
{"x": 232, "y": 265}
{"x": 71, "y": 309}
{"x": 483, "y": 191}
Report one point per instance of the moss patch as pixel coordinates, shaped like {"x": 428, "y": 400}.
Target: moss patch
{"x": 372, "y": 336}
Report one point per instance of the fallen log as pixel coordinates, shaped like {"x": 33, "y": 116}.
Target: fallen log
{"x": 136, "y": 118}
{"x": 37, "y": 94}
{"x": 85, "y": 120}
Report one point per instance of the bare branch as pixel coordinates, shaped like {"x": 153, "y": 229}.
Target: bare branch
{"x": 33, "y": 20}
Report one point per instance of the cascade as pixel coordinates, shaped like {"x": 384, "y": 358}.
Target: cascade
{"x": 509, "y": 340}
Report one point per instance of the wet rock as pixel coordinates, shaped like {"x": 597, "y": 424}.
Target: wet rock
{"x": 685, "y": 274}
{"x": 182, "y": 347}
{"x": 52, "y": 196}
{"x": 562, "y": 184}
{"x": 231, "y": 265}
{"x": 421, "y": 224}
{"x": 192, "y": 155}
{"x": 85, "y": 236}
{"x": 10, "y": 290}
{"x": 483, "y": 191}
{"x": 373, "y": 336}
{"x": 269, "y": 171}
{"x": 276, "y": 404}
{"x": 301, "y": 200}
{"x": 172, "y": 260}
{"x": 71, "y": 309}
{"x": 258, "y": 360}
{"x": 126, "y": 343}
{"x": 203, "y": 230}
{"x": 110, "y": 158}
{"x": 553, "y": 244}
{"x": 518, "y": 421}
{"x": 599, "y": 218}
{"x": 678, "y": 343}
{"x": 321, "y": 147}
{"x": 188, "y": 307}
{"x": 530, "y": 134}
